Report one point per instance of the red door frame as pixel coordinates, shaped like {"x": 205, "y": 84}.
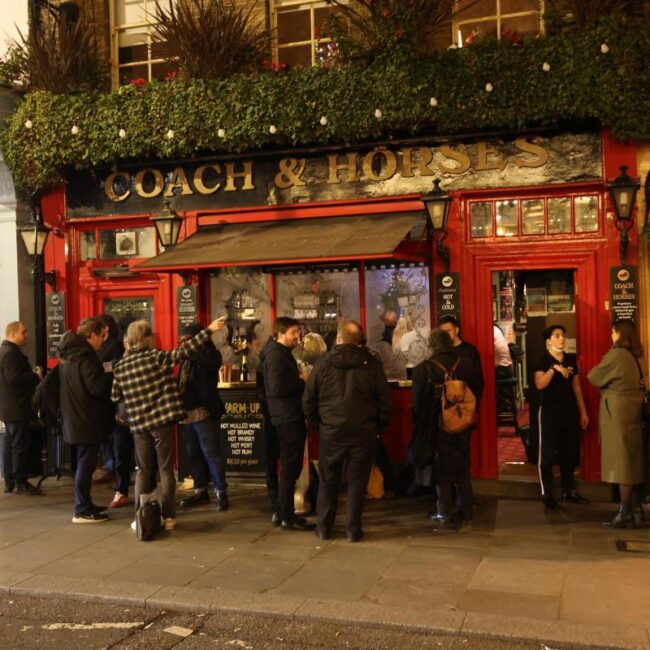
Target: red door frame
{"x": 589, "y": 261}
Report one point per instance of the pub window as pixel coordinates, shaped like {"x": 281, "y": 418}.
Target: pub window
{"x": 398, "y": 318}
{"x": 88, "y": 245}
{"x": 478, "y": 19}
{"x": 125, "y": 243}
{"x": 298, "y": 28}
{"x": 127, "y": 310}
{"x": 538, "y": 216}
{"x": 137, "y": 51}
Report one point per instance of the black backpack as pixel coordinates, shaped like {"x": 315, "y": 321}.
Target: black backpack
{"x": 148, "y": 520}
{"x": 46, "y": 401}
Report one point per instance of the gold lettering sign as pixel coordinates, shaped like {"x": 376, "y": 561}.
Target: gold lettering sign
{"x": 159, "y": 183}
{"x": 246, "y": 174}
{"x": 350, "y": 166}
{"x": 531, "y": 147}
{"x": 483, "y": 162}
{"x": 416, "y": 158}
{"x": 387, "y": 170}
{"x": 178, "y": 180}
{"x": 459, "y": 156}
{"x": 199, "y": 181}
{"x": 109, "y": 186}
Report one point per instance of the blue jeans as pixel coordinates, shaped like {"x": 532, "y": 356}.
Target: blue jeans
{"x": 86, "y": 463}
{"x": 204, "y": 453}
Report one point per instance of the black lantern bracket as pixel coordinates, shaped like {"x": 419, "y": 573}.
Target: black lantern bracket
{"x": 623, "y": 191}
{"x": 168, "y": 225}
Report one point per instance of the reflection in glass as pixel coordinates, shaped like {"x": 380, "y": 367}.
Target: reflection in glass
{"x": 126, "y": 243}
{"x": 507, "y": 218}
{"x": 398, "y": 316}
{"x": 559, "y": 215}
{"x": 481, "y": 219}
{"x": 127, "y": 310}
{"x": 586, "y": 213}
{"x": 87, "y": 245}
{"x": 532, "y": 217}
{"x": 243, "y": 295}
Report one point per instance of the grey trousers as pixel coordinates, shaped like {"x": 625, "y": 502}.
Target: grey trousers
{"x": 156, "y": 448}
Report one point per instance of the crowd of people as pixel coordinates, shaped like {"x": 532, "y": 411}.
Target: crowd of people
{"x": 115, "y": 392}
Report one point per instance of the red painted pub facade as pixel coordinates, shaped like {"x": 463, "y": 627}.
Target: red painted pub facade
{"x": 342, "y": 233}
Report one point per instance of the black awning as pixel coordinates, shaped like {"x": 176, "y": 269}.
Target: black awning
{"x": 289, "y": 241}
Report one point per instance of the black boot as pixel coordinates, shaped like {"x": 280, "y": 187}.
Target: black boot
{"x": 623, "y": 519}
{"x": 551, "y": 504}
{"x": 573, "y": 497}
{"x": 196, "y": 499}
{"x": 222, "y": 500}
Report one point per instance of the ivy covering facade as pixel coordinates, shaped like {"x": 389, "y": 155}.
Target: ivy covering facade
{"x": 600, "y": 74}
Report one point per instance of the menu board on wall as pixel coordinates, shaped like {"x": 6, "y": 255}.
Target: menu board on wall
{"x": 624, "y": 291}
{"x": 447, "y": 295}
{"x": 187, "y": 306}
{"x": 242, "y": 433}
{"x": 55, "y": 319}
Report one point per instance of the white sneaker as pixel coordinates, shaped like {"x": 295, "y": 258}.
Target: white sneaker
{"x": 134, "y": 525}
{"x": 170, "y": 523}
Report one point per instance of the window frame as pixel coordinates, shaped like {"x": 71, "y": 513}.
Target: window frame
{"x": 116, "y": 30}
{"x": 546, "y": 236}
{"x": 313, "y": 42}
{"x": 456, "y": 22}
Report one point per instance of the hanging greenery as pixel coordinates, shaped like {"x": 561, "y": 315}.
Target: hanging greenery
{"x": 600, "y": 74}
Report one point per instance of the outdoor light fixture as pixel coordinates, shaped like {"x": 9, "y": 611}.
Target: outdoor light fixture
{"x": 623, "y": 191}
{"x": 168, "y": 225}
{"x": 437, "y": 204}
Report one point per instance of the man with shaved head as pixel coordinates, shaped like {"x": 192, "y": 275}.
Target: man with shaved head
{"x": 347, "y": 399}
{"x": 17, "y": 385}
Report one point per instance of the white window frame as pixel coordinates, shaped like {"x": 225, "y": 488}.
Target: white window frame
{"x": 499, "y": 16}
{"x": 299, "y": 4}
{"x": 116, "y": 30}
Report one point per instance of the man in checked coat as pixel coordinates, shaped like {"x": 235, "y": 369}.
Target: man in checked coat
{"x": 143, "y": 380}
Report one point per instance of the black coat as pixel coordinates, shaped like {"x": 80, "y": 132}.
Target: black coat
{"x": 347, "y": 397}
{"x": 17, "y": 384}
{"x": 470, "y": 353}
{"x": 428, "y": 379}
{"x": 86, "y": 407}
{"x": 203, "y": 377}
{"x": 282, "y": 384}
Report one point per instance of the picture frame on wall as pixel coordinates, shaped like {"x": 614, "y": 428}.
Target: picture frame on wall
{"x": 536, "y": 301}
{"x": 126, "y": 243}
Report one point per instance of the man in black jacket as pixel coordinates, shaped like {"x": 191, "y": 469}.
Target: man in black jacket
{"x": 86, "y": 410}
{"x": 348, "y": 399}
{"x": 17, "y": 384}
{"x": 284, "y": 387}
{"x": 198, "y": 378}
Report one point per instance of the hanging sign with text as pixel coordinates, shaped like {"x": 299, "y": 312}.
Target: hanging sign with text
{"x": 447, "y": 295}
{"x": 55, "y": 319}
{"x": 242, "y": 433}
{"x": 624, "y": 291}
{"x": 187, "y": 306}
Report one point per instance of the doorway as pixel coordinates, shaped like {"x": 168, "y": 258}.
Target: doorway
{"x": 524, "y": 303}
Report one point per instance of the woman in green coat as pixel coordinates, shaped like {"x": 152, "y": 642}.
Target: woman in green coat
{"x": 619, "y": 377}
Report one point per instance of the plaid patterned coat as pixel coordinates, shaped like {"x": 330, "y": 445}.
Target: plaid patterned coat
{"x": 143, "y": 379}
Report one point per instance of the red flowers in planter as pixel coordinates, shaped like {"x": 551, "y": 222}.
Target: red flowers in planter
{"x": 138, "y": 82}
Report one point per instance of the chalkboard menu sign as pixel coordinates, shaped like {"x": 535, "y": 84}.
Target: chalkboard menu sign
{"x": 242, "y": 433}
{"x": 188, "y": 312}
{"x": 447, "y": 295}
{"x": 624, "y": 291}
{"x": 55, "y": 318}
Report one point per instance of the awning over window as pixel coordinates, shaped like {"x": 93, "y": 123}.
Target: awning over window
{"x": 292, "y": 241}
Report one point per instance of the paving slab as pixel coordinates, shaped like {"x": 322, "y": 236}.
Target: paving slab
{"x": 10, "y": 578}
{"x": 552, "y": 631}
{"x": 415, "y": 595}
{"x": 506, "y": 603}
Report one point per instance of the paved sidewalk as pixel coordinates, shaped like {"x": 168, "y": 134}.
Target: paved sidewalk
{"x": 517, "y": 573}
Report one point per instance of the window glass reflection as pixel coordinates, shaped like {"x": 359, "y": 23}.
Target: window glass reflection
{"x": 586, "y": 213}
{"x": 507, "y": 218}
{"x": 126, "y": 243}
{"x": 532, "y": 217}
{"x": 398, "y": 318}
{"x": 559, "y": 215}
{"x": 481, "y": 219}
{"x": 87, "y": 245}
